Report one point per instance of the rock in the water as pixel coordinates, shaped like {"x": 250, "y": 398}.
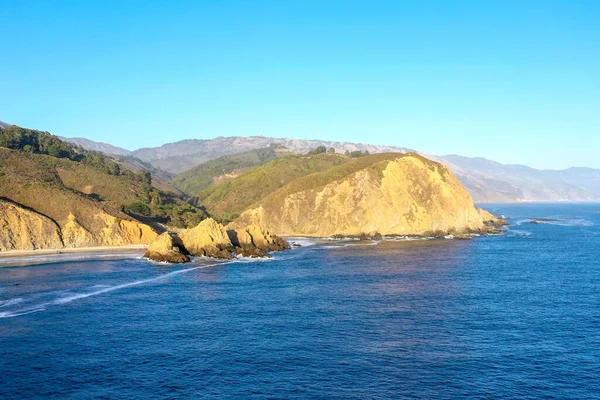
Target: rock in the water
{"x": 254, "y": 241}
{"x": 490, "y": 219}
{"x": 166, "y": 248}
{"x": 208, "y": 238}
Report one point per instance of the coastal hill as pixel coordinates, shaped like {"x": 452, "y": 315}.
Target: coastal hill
{"x": 84, "y": 197}
{"x": 224, "y": 168}
{"x": 388, "y": 194}
{"x": 227, "y": 200}
{"x": 486, "y": 180}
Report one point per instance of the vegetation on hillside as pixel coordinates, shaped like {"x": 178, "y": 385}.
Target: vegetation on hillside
{"x": 356, "y": 153}
{"x": 38, "y": 142}
{"x": 226, "y": 201}
{"x": 317, "y": 180}
{"x": 41, "y": 171}
{"x": 202, "y": 176}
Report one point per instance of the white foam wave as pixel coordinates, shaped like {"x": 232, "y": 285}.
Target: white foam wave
{"x": 73, "y": 297}
{"x": 59, "y": 258}
{"x": 518, "y": 233}
{"x": 302, "y": 241}
{"x": 10, "y": 302}
{"x": 243, "y": 259}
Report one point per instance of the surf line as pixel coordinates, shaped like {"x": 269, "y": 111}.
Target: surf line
{"x": 64, "y": 300}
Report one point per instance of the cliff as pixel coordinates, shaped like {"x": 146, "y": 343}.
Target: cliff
{"x": 25, "y": 229}
{"x": 402, "y": 195}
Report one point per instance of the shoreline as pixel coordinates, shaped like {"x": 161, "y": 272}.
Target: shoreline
{"x": 72, "y": 250}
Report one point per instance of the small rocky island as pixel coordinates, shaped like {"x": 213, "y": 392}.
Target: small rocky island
{"x": 211, "y": 239}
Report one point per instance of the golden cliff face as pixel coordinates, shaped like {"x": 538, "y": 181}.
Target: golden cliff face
{"x": 406, "y": 196}
{"x": 24, "y": 229}
{"x": 109, "y": 231}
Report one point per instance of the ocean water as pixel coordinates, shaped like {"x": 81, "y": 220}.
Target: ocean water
{"x": 510, "y": 316}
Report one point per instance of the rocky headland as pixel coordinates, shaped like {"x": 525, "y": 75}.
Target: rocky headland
{"x": 211, "y": 239}
{"x": 405, "y": 195}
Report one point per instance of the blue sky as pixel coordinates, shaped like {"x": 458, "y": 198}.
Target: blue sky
{"x": 517, "y": 82}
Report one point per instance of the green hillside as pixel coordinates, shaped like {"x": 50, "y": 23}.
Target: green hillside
{"x": 229, "y": 199}
{"x": 53, "y": 177}
{"x": 217, "y": 170}
{"x": 318, "y": 180}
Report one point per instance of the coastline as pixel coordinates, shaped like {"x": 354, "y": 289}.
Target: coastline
{"x": 73, "y": 250}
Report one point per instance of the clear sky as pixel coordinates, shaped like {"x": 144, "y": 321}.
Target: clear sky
{"x": 513, "y": 81}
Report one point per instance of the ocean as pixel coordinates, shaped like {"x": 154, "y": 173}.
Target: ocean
{"x": 509, "y": 316}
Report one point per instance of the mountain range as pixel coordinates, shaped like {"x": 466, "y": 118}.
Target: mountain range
{"x": 486, "y": 180}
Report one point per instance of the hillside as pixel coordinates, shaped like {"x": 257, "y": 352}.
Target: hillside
{"x": 42, "y": 188}
{"x": 223, "y": 169}
{"x": 389, "y": 194}
{"x": 228, "y": 199}
{"x": 186, "y": 154}
{"x": 97, "y": 146}
{"x": 82, "y": 191}
{"x": 3, "y": 124}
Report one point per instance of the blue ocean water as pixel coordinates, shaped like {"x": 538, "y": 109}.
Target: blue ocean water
{"x": 510, "y": 316}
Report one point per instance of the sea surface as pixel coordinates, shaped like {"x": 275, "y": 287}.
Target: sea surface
{"x": 509, "y": 316}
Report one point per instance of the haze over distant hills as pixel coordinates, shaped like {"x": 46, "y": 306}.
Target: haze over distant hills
{"x": 490, "y": 181}
{"x": 97, "y": 146}
{"x": 183, "y": 155}
{"x": 486, "y": 180}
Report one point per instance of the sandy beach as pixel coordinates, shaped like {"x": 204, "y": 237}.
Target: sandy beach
{"x": 77, "y": 250}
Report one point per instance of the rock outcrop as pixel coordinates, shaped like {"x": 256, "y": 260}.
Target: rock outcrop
{"x": 211, "y": 239}
{"x": 490, "y": 219}
{"x": 407, "y": 195}
{"x": 24, "y": 229}
{"x": 166, "y": 248}
{"x": 254, "y": 241}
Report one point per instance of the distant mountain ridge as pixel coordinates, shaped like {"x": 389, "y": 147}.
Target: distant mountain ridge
{"x": 490, "y": 181}
{"x": 97, "y": 146}
{"x": 3, "y": 124}
{"x": 186, "y": 154}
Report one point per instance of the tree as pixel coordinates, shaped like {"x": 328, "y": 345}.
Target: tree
{"x": 331, "y": 150}
{"x": 318, "y": 150}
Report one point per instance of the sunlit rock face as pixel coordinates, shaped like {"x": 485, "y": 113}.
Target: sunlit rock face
{"x": 409, "y": 195}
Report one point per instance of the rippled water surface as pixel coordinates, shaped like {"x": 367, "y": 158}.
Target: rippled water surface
{"x": 511, "y": 316}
